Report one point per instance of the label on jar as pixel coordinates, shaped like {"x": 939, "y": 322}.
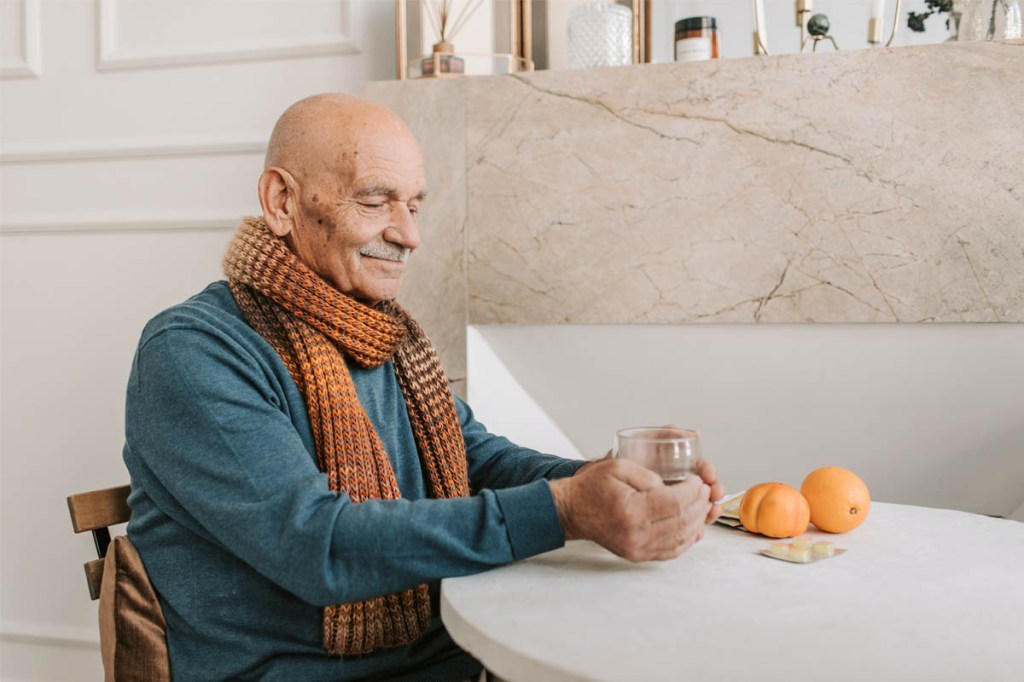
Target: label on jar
{"x": 693, "y": 49}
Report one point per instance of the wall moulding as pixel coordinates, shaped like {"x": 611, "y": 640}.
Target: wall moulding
{"x": 116, "y": 55}
{"x": 79, "y": 224}
{"x": 109, "y": 150}
{"x": 30, "y": 63}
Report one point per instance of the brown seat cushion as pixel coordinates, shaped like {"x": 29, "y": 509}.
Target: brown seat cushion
{"x": 132, "y": 626}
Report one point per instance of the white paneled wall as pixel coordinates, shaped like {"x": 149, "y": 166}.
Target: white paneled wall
{"x": 149, "y": 35}
{"x": 20, "y": 54}
{"x": 132, "y": 138}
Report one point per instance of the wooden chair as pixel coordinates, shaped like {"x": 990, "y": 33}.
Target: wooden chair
{"x": 96, "y": 511}
{"x": 133, "y": 641}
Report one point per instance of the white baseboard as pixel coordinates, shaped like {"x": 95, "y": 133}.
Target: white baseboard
{"x": 50, "y": 634}
{"x": 36, "y": 653}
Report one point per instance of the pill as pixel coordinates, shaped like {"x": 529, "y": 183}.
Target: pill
{"x": 803, "y": 542}
{"x": 800, "y": 554}
{"x": 824, "y": 549}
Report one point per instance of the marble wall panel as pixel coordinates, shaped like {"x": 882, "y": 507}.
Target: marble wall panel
{"x": 863, "y": 186}
{"x": 868, "y": 186}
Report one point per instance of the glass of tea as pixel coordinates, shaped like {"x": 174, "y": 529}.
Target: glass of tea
{"x": 668, "y": 451}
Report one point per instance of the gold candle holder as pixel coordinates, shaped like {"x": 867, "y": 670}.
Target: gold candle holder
{"x": 803, "y": 10}
{"x": 760, "y": 46}
{"x": 876, "y": 26}
{"x": 895, "y": 23}
{"x": 803, "y": 7}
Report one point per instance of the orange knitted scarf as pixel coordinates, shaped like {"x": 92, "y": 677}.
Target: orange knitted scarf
{"x": 313, "y": 327}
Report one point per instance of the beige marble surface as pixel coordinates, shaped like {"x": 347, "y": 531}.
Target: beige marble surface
{"x": 434, "y": 289}
{"x": 879, "y": 185}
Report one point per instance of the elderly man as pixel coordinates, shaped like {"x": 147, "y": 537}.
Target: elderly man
{"x": 302, "y": 477}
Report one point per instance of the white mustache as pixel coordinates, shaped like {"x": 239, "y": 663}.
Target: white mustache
{"x": 386, "y": 251}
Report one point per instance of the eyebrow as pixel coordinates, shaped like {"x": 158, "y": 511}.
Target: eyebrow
{"x": 384, "y": 191}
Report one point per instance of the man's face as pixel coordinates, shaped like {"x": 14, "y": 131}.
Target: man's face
{"x": 357, "y": 216}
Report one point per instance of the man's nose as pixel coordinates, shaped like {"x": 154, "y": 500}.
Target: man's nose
{"x": 404, "y": 229}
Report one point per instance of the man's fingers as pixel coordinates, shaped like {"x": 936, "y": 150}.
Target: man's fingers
{"x": 706, "y": 470}
{"x": 629, "y": 510}
{"x": 686, "y": 524}
{"x": 667, "y": 502}
{"x": 635, "y": 476}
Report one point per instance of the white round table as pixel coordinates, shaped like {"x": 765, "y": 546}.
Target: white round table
{"x": 920, "y": 594}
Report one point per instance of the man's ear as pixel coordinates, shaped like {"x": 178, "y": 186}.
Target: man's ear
{"x": 279, "y": 198}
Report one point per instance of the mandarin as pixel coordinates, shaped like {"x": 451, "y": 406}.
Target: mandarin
{"x": 775, "y": 510}
{"x": 838, "y": 498}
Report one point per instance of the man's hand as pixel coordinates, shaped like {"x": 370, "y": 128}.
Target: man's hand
{"x": 707, "y": 473}
{"x": 628, "y": 510}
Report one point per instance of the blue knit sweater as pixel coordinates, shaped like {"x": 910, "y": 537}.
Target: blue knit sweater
{"x": 241, "y": 536}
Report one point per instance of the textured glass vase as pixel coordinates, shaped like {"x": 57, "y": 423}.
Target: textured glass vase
{"x": 600, "y": 34}
{"x": 990, "y": 20}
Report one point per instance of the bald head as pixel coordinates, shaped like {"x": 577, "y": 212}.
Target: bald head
{"x": 321, "y": 131}
{"x": 342, "y": 185}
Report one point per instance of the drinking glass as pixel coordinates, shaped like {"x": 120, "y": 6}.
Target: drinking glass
{"x": 671, "y": 452}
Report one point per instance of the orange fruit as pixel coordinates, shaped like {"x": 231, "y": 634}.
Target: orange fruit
{"x": 839, "y": 499}
{"x": 774, "y": 509}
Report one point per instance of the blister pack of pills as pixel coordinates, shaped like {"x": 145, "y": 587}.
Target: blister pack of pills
{"x": 802, "y": 550}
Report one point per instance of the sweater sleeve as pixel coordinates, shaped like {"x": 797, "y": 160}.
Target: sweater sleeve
{"x": 496, "y": 462}
{"x": 220, "y": 455}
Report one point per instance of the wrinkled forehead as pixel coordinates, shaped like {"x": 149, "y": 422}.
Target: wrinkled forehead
{"x": 375, "y": 154}
{"x": 331, "y": 131}
{"x": 371, "y": 134}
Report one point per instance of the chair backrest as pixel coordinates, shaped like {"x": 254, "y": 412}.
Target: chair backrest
{"x": 133, "y": 642}
{"x": 96, "y": 511}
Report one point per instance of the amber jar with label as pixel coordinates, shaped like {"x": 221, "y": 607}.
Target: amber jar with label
{"x": 696, "y": 39}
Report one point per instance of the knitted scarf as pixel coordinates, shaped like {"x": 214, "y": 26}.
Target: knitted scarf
{"x": 313, "y": 327}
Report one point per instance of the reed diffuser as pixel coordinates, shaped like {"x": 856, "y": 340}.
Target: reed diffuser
{"x": 446, "y": 23}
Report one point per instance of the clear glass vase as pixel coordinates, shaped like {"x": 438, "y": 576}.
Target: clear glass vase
{"x": 953, "y": 23}
{"x": 990, "y": 20}
{"x": 600, "y": 34}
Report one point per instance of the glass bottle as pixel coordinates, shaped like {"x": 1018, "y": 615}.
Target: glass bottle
{"x": 600, "y": 34}
{"x": 990, "y": 20}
